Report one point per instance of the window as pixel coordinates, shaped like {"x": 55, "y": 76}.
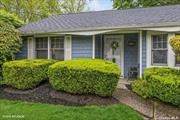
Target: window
{"x": 159, "y": 49}
{"x": 42, "y": 47}
{"x": 177, "y": 59}
{"x": 57, "y": 48}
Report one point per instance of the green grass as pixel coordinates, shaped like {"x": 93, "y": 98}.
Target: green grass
{"x": 38, "y": 111}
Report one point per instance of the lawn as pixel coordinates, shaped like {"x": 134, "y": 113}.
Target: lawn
{"x": 18, "y": 110}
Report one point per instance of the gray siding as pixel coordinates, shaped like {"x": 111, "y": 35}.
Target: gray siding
{"x": 22, "y": 54}
{"x": 81, "y": 47}
{"x": 144, "y": 51}
{"x": 130, "y": 52}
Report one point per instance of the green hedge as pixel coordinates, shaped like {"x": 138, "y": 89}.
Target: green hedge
{"x": 161, "y": 71}
{"x": 25, "y": 74}
{"x": 85, "y": 76}
{"x": 161, "y": 83}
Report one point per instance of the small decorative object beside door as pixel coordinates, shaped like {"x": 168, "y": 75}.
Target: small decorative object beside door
{"x": 114, "y": 46}
{"x": 132, "y": 72}
{"x": 131, "y": 43}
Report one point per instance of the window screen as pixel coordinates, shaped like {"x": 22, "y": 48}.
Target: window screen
{"x": 159, "y": 49}
{"x": 57, "y": 48}
{"x": 178, "y": 59}
{"x": 42, "y": 47}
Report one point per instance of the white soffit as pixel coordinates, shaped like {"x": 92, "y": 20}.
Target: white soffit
{"x": 87, "y": 33}
{"x": 163, "y": 29}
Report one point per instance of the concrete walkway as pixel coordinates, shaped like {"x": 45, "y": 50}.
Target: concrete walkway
{"x": 148, "y": 108}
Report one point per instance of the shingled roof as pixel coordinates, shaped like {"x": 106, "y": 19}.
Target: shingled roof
{"x": 109, "y": 19}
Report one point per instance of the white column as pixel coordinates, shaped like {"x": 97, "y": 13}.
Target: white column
{"x": 67, "y": 48}
{"x": 148, "y": 49}
{"x": 140, "y": 55}
{"x": 122, "y": 55}
{"x": 49, "y": 48}
{"x": 171, "y": 54}
{"x": 93, "y": 47}
{"x": 30, "y": 48}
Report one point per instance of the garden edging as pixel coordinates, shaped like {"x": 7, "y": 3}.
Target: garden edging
{"x": 151, "y": 109}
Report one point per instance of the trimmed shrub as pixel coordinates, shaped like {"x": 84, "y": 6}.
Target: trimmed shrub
{"x": 161, "y": 71}
{"x": 175, "y": 43}
{"x": 142, "y": 88}
{"x": 161, "y": 83}
{"x": 84, "y": 76}
{"x": 25, "y": 74}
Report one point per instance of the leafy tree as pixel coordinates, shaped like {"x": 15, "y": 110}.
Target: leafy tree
{"x": 122, "y": 4}
{"x": 31, "y": 10}
{"x": 72, "y": 6}
{"x": 147, "y": 3}
{"x": 10, "y": 19}
{"x": 10, "y": 42}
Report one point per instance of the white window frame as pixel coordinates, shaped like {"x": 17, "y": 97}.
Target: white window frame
{"x": 50, "y": 46}
{"x": 30, "y": 48}
{"x": 165, "y": 49}
{"x": 176, "y": 64}
{"x": 45, "y": 49}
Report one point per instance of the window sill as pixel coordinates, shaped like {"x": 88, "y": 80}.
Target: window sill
{"x": 157, "y": 64}
{"x": 177, "y": 65}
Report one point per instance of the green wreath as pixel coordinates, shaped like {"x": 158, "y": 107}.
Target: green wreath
{"x": 114, "y": 45}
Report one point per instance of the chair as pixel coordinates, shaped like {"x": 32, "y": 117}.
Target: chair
{"x": 132, "y": 72}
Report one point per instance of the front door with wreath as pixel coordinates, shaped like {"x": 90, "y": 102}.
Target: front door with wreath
{"x": 113, "y": 48}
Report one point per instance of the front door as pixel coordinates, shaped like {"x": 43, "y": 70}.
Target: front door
{"x": 130, "y": 52}
{"x": 113, "y": 49}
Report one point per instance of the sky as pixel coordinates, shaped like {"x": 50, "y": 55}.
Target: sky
{"x": 97, "y": 5}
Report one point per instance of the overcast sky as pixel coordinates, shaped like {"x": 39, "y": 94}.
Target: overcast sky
{"x": 97, "y": 5}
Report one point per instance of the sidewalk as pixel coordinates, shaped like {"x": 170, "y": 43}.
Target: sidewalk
{"x": 148, "y": 108}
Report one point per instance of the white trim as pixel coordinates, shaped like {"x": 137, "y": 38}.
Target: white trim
{"x": 165, "y": 29}
{"x": 119, "y": 32}
{"x": 49, "y": 48}
{"x": 30, "y": 48}
{"x": 68, "y": 47}
{"x": 87, "y": 33}
{"x": 48, "y": 35}
{"x": 34, "y": 48}
{"x": 140, "y": 55}
{"x": 148, "y": 49}
{"x": 122, "y": 54}
{"x": 93, "y": 47}
{"x": 121, "y": 38}
{"x": 171, "y": 55}
{"x": 70, "y": 52}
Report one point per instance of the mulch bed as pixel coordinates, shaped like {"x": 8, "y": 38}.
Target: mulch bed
{"x": 45, "y": 94}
